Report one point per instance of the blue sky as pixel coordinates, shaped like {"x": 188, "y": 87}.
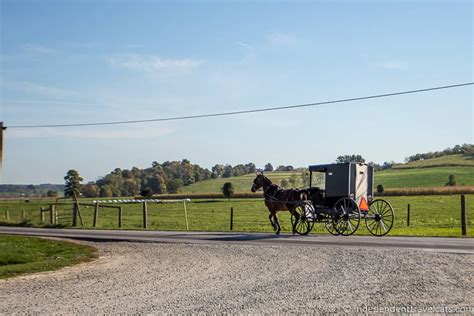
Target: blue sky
{"x": 88, "y": 61}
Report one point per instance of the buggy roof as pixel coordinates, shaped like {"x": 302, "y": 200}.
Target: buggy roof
{"x": 326, "y": 167}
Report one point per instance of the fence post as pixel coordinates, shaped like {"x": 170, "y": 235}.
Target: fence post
{"x": 120, "y": 217}
{"x": 186, "y": 215}
{"x": 74, "y": 215}
{"x": 51, "y": 215}
{"x": 42, "y": 214}
{"x": 463, "y": 216}
{"x": 7, "y": 216}
{"x": 231, "y": 218}
{"x": 408, "y": 214}
{"x": 96, "y": 214}
{"x": 145, "y": 214}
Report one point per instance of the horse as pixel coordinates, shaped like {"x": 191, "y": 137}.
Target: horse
{"x": 276, "y": 199}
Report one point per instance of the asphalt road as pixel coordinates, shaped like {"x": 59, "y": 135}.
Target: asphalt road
{"x": 438, "y": 244}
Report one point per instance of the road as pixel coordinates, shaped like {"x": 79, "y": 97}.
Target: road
{"x": 437, "y": 244}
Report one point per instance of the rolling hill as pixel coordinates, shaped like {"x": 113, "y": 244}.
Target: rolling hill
{"x": 424, "y": 173}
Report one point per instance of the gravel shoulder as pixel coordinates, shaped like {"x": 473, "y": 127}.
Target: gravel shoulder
{"x": 228, "y": 278}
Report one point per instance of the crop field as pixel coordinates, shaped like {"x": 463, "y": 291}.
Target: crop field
{"x": 430, "y": 215}
{"x": 450, "y": 160}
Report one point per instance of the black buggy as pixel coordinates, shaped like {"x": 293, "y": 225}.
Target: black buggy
{"x": 340, "y": 195}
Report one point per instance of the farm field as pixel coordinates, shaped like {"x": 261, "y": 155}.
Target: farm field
{"x": 430, "y": 215}
{"x": 445, "y": 161}
{"x": 391, "y": 178}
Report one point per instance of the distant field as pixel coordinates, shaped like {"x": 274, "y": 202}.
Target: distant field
{"x": 424, "y": 177}
{"x": 241, "y": 183}
{"x": 446, "y": 161}
{"x": 430, "y": 215}
{"x": 391, "y": 178}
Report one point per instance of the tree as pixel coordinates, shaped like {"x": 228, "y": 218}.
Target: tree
{"x": 380, "y": 188}
{"x": 73, "y": 183}
{"x": 451, "y": 180}
{"x": 228, "y": 190}
{"x": 294, "y": 180}
{"x": 146, "y": 192}
{"x": 174, "y": 185}
{"x": 90, "y": 190}
{"x": 105, "y": 191}
{"x": 268, "y": 167}
{"x": 52, "y": 193}
{"x": 349, "y": 158}
{"x": 284, "y": 183}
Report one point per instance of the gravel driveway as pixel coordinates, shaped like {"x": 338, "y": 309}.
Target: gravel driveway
{"x": 199, "y": 278}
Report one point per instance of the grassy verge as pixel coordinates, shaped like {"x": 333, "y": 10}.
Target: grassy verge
{"x": 21, "y": 255}
{"x": 434, "y": 215}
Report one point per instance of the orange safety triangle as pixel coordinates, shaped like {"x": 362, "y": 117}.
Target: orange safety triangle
{"x": 363, "y": 206}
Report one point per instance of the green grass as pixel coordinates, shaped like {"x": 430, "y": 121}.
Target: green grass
{"x": 430, "y": 216}
{"x": 240, "y": 183}
{"x": 424, "y": 177}
{"x": 445, "y": 161}
{"x": 21, "y": 255}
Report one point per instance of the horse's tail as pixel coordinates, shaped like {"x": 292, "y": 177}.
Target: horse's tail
{"x": 303, "y": 195}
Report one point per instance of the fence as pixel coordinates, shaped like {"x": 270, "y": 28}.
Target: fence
{"x": 429, "y": 215}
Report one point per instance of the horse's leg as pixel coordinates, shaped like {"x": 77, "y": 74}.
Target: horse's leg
{"x": 277, "y": 224}
{"x": 291, "y": 209}
{"x": 271, "y": 221}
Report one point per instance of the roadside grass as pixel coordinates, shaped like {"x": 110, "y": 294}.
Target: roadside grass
{"x": 21, "y": 255}
{"x": 432, "y": 215}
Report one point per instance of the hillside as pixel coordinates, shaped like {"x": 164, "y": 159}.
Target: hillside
{"x": 424, "y": 173}
{"x": 445, "y": 161}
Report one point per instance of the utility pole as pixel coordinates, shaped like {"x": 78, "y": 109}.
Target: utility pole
{"x": 2, "y": 128}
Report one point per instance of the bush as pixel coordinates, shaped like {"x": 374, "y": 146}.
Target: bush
{"x": 147, "y": 192}
{"x": 380, "y": 188}
{"x": 451, "y": 180}
{"x": 228, "y": 190}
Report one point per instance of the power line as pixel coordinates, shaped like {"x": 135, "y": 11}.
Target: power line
{"x": 176, "y": 118}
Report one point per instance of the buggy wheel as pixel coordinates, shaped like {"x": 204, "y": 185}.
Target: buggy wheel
{"x": 346, "y": 217}
{"x": 379, "y": 218}
{"x": 331, "y": 228}
{"x": 302, "y": 218}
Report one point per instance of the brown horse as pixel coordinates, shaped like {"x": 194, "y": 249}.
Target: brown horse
{"x": 276, "y": 199}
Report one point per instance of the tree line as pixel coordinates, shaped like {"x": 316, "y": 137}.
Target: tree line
{"x": 160, "y": 178}
{"x": 465, "y": 149}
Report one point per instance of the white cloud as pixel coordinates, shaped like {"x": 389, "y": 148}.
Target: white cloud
{"x": 154, "y": 64}
{"x": 142, "y": 131}
{"x": 37, "y": 49}
{"x": 39, "y": 89}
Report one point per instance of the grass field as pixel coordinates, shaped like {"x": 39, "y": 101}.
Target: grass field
{"x": 391, "y": 178}
{"x": 20, "y": 255}
{"x": 430, "y": 215}
{"x": 446, "y": 161}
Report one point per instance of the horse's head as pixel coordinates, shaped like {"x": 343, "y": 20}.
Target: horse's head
{"x": 258, "y": 182}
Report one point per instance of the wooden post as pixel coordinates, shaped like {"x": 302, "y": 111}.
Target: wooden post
{"x": 231, "y": 218}
{"x": 186, "y": 215}
{"x": 7, "y": 216}
{"x": 42, "y": 214}
{"x": 74, "y": 215}
{"x": 463, "y": 216}
{"x": 408, "y": 214}
{"x": 96, "y": 214}
{"x": 145, "y": 214}
{"x": 120, "y": 217}
{"x": 51, "y": 214}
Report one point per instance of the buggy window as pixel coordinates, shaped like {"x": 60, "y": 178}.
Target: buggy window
{"x": 319, "y": 180}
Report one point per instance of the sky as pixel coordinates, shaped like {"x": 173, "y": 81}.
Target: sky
{"x": 74, "y": 61}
